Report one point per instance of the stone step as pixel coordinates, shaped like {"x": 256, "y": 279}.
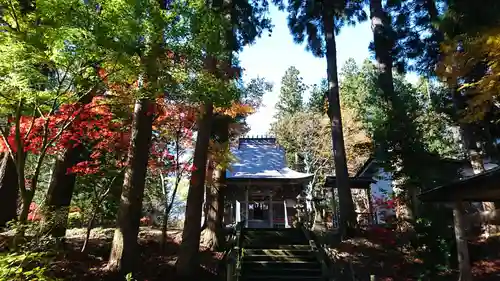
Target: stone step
{"x": 282, "y": 278}
{"x": 261, "y": 246}
{"x": 279, "y": 252}
{"x": 310, "y": 258}
{"x": 273, "y": 244}
{"x": 273, "y": 234}
{"x": 270, "y": 271}
{"x": 282, "y": 240}
{"x": 274, "y": 230}
{"x": 291, "y": 229}
{"x": 278, "y": 255}
{"x": 279, "y": 265}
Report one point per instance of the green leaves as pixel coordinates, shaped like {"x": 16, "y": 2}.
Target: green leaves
{"x": 408, "y": 131}
{"x": 42, "y": 60}
{"x": 25, "y": 266}
{"x": 291, "y": 92}
{"x": 305, "y": 20}
{"x": 317, "y": 100}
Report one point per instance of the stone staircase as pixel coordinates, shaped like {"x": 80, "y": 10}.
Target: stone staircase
{"x": 278, "y": 255}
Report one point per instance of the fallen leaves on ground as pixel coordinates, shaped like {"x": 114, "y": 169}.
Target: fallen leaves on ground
{"x": 154, "y": 264}
{"x": 365, "y": 257}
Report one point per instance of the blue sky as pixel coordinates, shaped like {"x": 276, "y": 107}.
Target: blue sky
{"x": 271, "y": 55}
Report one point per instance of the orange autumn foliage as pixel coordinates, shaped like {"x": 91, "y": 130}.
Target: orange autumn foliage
{"x": 236, "y": 109}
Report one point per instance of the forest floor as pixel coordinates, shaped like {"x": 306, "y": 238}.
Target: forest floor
{"x": 387, "y": 262}
{"x": 154, "y": 264}
{"x": 364, "y": 255}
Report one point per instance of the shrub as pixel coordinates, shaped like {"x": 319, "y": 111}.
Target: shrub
{"x": 25, "y": 266}
{"x": 434, "y": 245}
{"x": 75, "y": 219}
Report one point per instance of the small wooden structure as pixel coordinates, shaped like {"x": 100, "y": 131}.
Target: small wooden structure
{"x": 261, "y": 190}
{"x": 361, "y": 187}
{"x": 476, "y": 188}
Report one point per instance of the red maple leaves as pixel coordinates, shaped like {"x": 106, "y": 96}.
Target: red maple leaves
{"x": 105, "y": 136}
{"x": 69, "y": 126}
{"x": 92, "y": 125}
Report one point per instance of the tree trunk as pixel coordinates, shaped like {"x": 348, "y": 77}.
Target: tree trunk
{"x": 221, "y": 196}
{"x": 383, "y": 47}
{"x": 62, "y": 185}
{"x": 9, "y": 190}
{"x": 384, "y": 43}
{"x": 212, "y": 234}
{"x": 168, "y": 209}
{"x": 346, "y": 205}
{"x": 60, "y": 192}
{"x": 90, "y": 225}
{"x": 462, "y": 247}
{"x": 211, "y": 230}
{"x": 123, "y": 257}
{"x": 164, "y": 223}
{"x": 20, "y": 163}
{"x": 95, "y": 209}
{"x": 25, "y": 210}
{"x": 164, "y": 228}
{"x": 209, "y": 181}
{"x": 188, "y": 261}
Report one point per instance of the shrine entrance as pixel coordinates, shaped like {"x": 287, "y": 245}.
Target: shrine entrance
{"x": 259, "y": 214}
{"x": 258, "y": 211}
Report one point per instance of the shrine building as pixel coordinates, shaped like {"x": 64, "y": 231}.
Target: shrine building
{"x": 261, "y": 190}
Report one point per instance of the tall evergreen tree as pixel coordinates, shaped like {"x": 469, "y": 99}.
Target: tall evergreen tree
{"x": 246, "y": 22}
{"x": 422, "y": 52}
{"x": 317, "y": 97}
{"x": 291, "y": 93}
{"x": 317, "y": 23}
{"x": 150, "y": 47}
{"x": 383, "y": 45}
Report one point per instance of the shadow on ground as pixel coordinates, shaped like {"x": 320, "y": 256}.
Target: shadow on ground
{"x": 154, "y": 264}
{"x": 364, "y": 256}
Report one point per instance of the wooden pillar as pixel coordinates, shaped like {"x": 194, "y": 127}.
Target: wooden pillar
{"x": 373, "y": 215}
{"x": 238, "y": 211}
{"x": 271, "y": 216}
{"x": 231, "y": 213}
{"x": 246, "y": 206}
{"x": 286, "y": 213}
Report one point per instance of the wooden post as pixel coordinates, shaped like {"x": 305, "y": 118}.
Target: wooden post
{"x": 286, "y": 213}
{"x": 271, "y": 218}
{"x": 231, "y": 213}
{"x": 373, "y": 215}
{"x": 246, "y": 206}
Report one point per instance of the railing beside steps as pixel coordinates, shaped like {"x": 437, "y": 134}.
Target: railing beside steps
{"x": 232, "y": 258}
{"x": 319, "y": 252}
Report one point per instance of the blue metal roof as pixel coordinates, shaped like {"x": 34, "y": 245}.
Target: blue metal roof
{"x": 261, "y": 158}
